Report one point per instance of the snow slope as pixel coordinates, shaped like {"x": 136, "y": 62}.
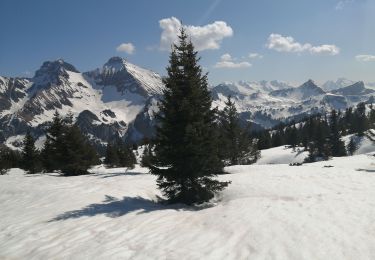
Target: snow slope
{"x": 286, "y": 155}
{"x": 282, "y": 155}
{"x": 268, "y": 212}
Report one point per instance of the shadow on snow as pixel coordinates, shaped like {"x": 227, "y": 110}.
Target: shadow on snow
{"x": 113, "y": 208}
{"x": 124, "y": 172}
{"x": 365, "y": 170}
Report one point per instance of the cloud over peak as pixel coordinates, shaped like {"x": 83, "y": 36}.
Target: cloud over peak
{"x": 126, "y": 47}
{"x": 281, "y": 43}
{"x": 207, "y": 37}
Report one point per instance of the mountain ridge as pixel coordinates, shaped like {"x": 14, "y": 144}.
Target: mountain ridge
{"x": 120, "y": 100}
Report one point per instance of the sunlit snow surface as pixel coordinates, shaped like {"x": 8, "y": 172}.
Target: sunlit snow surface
{"x": 268, "y": 212}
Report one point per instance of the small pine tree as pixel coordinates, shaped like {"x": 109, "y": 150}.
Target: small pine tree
{"x": 312, "y": 153}
{"x": 352, "y": 145}
{"x": 8, "y": 159}
{"x": 78, "y": 153}
{"x": 236, "y": 146}
{"x": 292, "y": 137}
{"x": 360, "y": 119}
{"x": 277, "y": 138}
{"x": 186, "y": 150}
{"x": 337, "y": 145}
{"x": 126, "y": 155}
{"x": 66, "y": 149}
{"x": 264, "y": 140}
{"x": 371, "y": 119}
{"x": 119, "y": 155}
{"x": 111, "y": 156}
{"x": 30, "y": 155}
{"x": 52, "y": 153}
{"x": 146, "y": 156}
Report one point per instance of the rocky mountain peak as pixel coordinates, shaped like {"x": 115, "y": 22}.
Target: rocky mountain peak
{"x": 55, "y": 67}
{"x": 52, "y": 73}
{"x": 357, "y": 88}
{"x": 311, "y": 86}
{"x": 114, "y": 65}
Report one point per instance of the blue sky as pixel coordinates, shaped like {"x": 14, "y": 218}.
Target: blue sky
{"x": 291, "y": 40}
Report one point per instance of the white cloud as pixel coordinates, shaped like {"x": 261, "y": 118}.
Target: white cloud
{"x": 341, "y": 4}
{"x": 207, "y": 37}
{"x": 285, "y": 44}
{"x": 226, "y": 57}
{"x": 226, "y": 61}
{"x": 255, "y": 56}
{"x": 126, "y": 47}
{"x": 325, "y": 49}
{"x": 365, "y": 57}
{"x": 281, "y": 43}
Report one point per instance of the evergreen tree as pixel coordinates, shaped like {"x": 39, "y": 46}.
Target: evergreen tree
{"x": 52, "y": 152}
{"x": 352, "y": 146}
{"x": 312, "y": 153}
{"x": 360, "y": 119}
{"x": 146, "y": 156}
{"x": 79, "y": 155}
{"x": 264, "y": 140}
{"x": 119, "y": 155}
{"x": 66, "y": 149}
{"x": 322, "y": 139}
{"x": 337, "y": 145}
{"x": 371, "y": 121}
{"x": 277, "y": 138}
{"x": 8, "y": 159}
{"x": 236, "y": 146}
{"x": 292, "y": 136}
{"x": 318, "y": 139}
{"x": 126, "y": 155}
{"x": 111, "y": 157}
{"x": 186, "y": 151}
{"x": 348, "y": 121}
{"x": 30, "y": 155}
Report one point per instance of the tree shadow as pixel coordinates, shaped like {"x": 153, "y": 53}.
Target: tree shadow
{"x": 115, "y": 174}
{"x": 113, "y": 207}
{"x": 104, "y": 175}
{"x": 365, "y": 170}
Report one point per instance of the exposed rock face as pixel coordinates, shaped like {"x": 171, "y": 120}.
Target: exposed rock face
{"x": 144, "y": 124}
{"x": 90, "y": 124}
{"x": 12, "y": 90}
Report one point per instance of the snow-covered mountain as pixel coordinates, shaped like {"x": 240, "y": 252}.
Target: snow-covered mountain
{"x": 120, "y": 100}
{"x": 305, "y": 91}
{"x": 269, "y": 106}
{"x": 105, "y": 102}
{"x": 339, "y": 83}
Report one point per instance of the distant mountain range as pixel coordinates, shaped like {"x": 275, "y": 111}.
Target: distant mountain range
{"x": 120, "y": 100}
{"x": 269, "y": 103}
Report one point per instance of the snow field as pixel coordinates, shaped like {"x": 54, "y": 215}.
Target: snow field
{"x": 268, "y": 212}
